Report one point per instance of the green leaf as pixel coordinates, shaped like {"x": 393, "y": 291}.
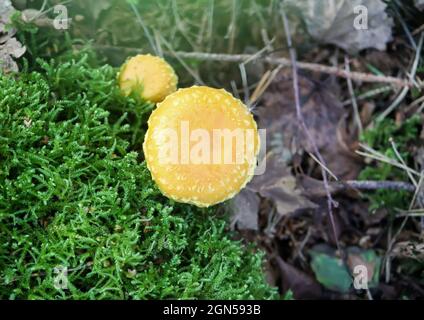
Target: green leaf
{"x": 331, "y": 272}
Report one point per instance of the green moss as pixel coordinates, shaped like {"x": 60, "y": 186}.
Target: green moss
{"x": 379, "y": 139}
{"x": 75, "y": 193}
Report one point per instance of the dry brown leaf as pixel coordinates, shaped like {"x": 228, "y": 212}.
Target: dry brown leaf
{"x": 302, "y": 285}
{"x": 419, "y": 4}
{"x": 333, "y": 22}
{"x": 409, "y": 249}
{"x": 279, "y": 185}
{"x": 286, "y": 196}
{"x": 276, "y": 184}
{"x": 14, "y": 48}
{"x": 324, "y": 116}
{"x": 10, "y": 48}
{"x": 245, "y": 210}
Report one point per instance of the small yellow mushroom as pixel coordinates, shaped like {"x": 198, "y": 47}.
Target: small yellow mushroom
{"x": 201, "y": 146}
{"x": 149, "y": 76}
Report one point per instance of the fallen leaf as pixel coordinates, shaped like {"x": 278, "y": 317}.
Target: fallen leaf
{"x": 314, "y": 188}
{"x": 324, "y": 116}
{"x": 5, "y": 7}
{"x": 14, "y": 48}
{"x": 6, "y": 11}
{"x": 10, "y": 48}
{"x": 275, "y": 169}
{"x": 333, "y": 22}
{"x": 7, "y": 64}
{"x": 419, "y": 4}
{"x": 330, "y": 271}
{"x": 301, "y": 284}
{"x": 335, "y": 275}
{"x": 409, "y": 249}
{"x": 279, "y": 185}
{"x": 245, "y": 210}
{"x": 389, "y": 292}
{"x": 286, "y": 196}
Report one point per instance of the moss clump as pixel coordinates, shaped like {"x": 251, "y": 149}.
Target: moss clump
{"x": 73, "y": 193}
{"x": 379, "y": 139}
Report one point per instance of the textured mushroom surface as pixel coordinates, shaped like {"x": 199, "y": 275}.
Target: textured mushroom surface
{"x": 204, "y": 121}
{"x": 149, "y": 76}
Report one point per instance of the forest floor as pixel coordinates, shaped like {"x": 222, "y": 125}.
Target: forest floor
{"x": 343, "y": 110}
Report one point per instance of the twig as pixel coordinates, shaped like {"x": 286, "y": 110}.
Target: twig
{"x": 143, "y": 25}
{"x": 365, "y": 185}
{"x": 283, "y": 62}
{"x": 375, "y": 185}
{"x": 301, "y": 120}
{"x": 357, "y": 76}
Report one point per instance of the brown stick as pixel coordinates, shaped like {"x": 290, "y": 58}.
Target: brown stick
{"x": 284, "y": 62}
{"x": 316, "y": 188}
{"x": 376, "y": 185}
{"x": 357, "y": 76}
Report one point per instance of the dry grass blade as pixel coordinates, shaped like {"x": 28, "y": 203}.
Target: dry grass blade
{"x": 189, "y": 70}
{"x": 373, "y": 154}
{"x": 370, "y": 94}
{"x": 398, "y": 155}
{"x": 405, "y": 90}
{"x": 263, "y": 84}
{"x": 323, "y": 166}
{"x": 353, "y": 98}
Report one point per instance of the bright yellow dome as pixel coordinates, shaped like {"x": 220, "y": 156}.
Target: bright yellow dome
{"x": 149, "y": 76}
{"x": 201, "y": 146}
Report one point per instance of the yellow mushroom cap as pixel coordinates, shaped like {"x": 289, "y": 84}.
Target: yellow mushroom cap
{"x": 149, "y": 76}
{"x": 192, "y": 148}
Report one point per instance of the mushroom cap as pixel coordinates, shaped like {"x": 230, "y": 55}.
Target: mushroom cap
{"x": 196, "y": 178}
{"x": 149, "y": 76}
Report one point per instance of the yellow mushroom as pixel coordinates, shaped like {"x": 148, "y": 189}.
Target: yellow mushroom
{"x": 201, "y": 146}
{"x": 149, "y": 76}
